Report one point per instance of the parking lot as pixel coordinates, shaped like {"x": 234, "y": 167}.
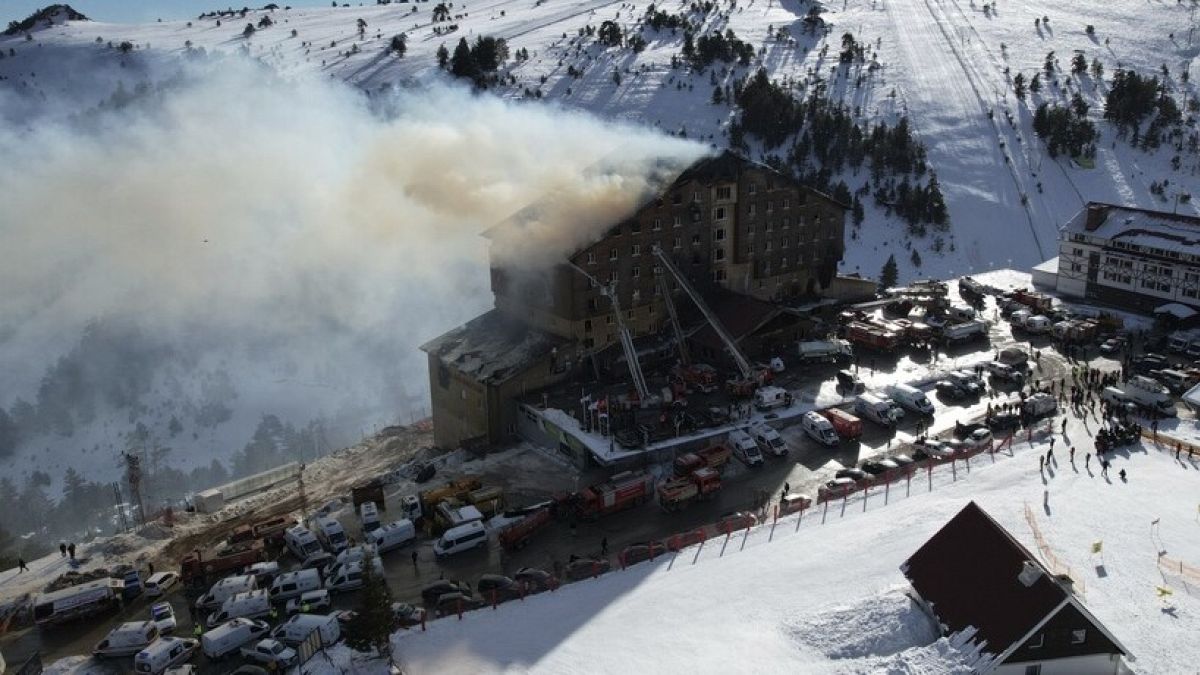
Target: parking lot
{"x": 535, "y": 475}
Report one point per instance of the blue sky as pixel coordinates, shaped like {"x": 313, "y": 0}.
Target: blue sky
{"x": 137, "y": 11}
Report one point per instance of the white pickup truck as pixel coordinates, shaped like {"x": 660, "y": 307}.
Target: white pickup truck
{"x": 269, "y": 652}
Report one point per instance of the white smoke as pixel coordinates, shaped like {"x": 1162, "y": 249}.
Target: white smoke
{"x": 283, "y": 228}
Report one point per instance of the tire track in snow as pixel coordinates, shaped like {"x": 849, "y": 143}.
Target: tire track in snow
{"x": 970, "y": 77}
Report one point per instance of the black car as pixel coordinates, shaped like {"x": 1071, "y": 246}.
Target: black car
{"x": 848, "y": 381}
{"x": 876, "y": 468}
{"x": 586, "y": 568}
{"x": 535, "y": 580}
{"x": 440, "y": 587}
{"x": 453, "y": 603}
{"x": 1004, "y": 421}
{"x": 1148, "y": 363}
{"x": 851, "y": 473}
{"x": 503, "y": 587}
{"x": 424, "y": 472}
{"x": 949, "y": 390}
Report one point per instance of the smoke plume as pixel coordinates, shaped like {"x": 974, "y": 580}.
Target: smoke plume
{"x": 289, "y": 232}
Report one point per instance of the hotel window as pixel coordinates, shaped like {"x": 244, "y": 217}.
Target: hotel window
{"x": 752, "y": 188}
{"x": 696, "y": 216}
{"x": 718, "y": 254}
{"x": 696, "y": 196}
{"x": 695, "y": 240}
{"x": 657, "y": 224}
{"x": 591, "y": 258}
{"x": 768, "y": 206}
{"x": 1078, "y": 637}
{"x": 787, "y": 222}
{"x": 784, "y": 243}
{"x": 635, "y": 250}
{"x": 636, "y": 272}
{"x": 635, "y": 227}
{"x": 636, "y": 297}
{"x": 613, "y": 276}
{"x": 787, "y": 203}
{"x": 677, "y": 198}
{"x": 676, "y": 221}
{"x": 719, "y": 275}
{"x": 750, "y": 209}
{"x": 612, "y": 254}
{"x": 724, "y": 192}
{"x": 677, "y": 243}
{"x": 720, "y": 234}
{"x": 719, "y": 213}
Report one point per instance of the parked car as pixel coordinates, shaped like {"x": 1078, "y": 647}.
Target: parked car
{"x": 535, "y": 580}
{"x": 405, "y": 615}
{"x": 504, "y": 587}
{"x": 851, "y": 473}
{"x": 160, "y": 582}
{"x": 878, "y": 467}
{"x": 585, "y": 568}
{"x": 981, "y": 438}
{"x": 849, "y": 382}
{"x": 950, "y": 390}
{"x": 739, "y": 520}
{"x": 902, "y": 460}
{"x": 932, "y": 447}
{"x": 453, "y": 603}
{"x": 1113, "y": 345}
{"x": 1004, "y": 421}
{"x": 435, "y": 589}
{"x": 636, "y": 553}
{"x": 163, "y": 616}
{"x": 315, "y": 601}
{"x": 836, "y": 488}
{"x": 957, "y": 447}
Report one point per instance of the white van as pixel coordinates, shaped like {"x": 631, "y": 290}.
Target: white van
{"x": 297, "y": 629}
{"x": 301, "y": 542}
{"x": 393, "y": 535}
{"x": 225, "y": 589}
{"x": 332, "y": 535}
{"x": 160, "y": 582}
{"x": 368, "y": 515}
{"x": 229, "y": 637}
{"x": 350, "y": 555}
{"x": 878, "y": 409}
{"x": 263, "y": 572}
{"x": 292, "y": 584}
{"x": 349, "y": 576}
{"x": 127, "y": 639}
{"x": 768, "y": 440}
{"x": 744, "y": 448}
{"x": 1114, "y": 396}
{"x": 249, "y": 605}
{"x": 912, "y": 398}
{"x": 461, "y": 538}
{"x": 1038, "y": 325}
{"x": 767, "y": 398}
{"x": 164, "y": 653}
{"x": 818, "y": 428}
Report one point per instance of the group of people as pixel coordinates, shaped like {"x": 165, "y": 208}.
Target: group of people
{"x": 63, "y": 548}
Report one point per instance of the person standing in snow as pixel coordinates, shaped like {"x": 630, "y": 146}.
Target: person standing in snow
{"x": 62, "y": 548}
{"x": 1087, "y": 459}
{"x": 1072, "y": 453}
{"x": 71, "y": 550}
{"x": 21, "y": 566}
{"x": 1051, "y": 446}
{"x": 1041, "y": 463}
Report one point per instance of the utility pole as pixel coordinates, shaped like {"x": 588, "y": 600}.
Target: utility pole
{"x": 133, "y": 475}
{"x": 303, "y": 496}
{"x": 119, "y": 503}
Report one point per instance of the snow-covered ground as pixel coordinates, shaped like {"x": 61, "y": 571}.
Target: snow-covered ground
{"x": 825, "y": 595}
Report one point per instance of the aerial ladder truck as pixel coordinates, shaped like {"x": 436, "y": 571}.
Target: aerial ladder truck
{"x": 625, "y": 336}
{"x": 750, "y": 378}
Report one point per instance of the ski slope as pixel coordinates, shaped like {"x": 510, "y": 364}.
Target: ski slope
{"x": 826, "y": 596}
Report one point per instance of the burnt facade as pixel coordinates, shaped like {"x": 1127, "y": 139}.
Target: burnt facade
{"x": 725, "y": 221}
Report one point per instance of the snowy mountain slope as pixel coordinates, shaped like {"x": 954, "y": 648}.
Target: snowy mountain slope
{"x": 825, "y": 595}
{"x": 942, "y": 59}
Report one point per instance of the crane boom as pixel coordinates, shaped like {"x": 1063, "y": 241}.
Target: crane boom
{"x": 739, "y": 358}
{"x": 623, "y": 334}
{"x": 665, "y": 291}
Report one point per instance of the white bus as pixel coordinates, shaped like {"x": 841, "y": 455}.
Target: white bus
{"x": 77, "y": 602}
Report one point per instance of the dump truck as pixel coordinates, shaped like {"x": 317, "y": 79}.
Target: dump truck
{"x": 715, "y": 457}
{"x": 828, "y": 351}
{"x": 624, "y": 490}
{"x": 517, "y": 535}
{"x": 847, "y": 426}
{"x": 423, "y": 504}
{"x": 489, "y": 500}
{"x": 677, "y": 493}
{"x": 1033, "y": 300}
{"x": 195, "y": 567}
{"x": 872, "y": 337}
{"x": 271, "y": 531}
{"x": 371, "y": 491}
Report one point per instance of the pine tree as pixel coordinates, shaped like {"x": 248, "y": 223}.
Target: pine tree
{"x": 462, "y": 64}
{"x": 1019, "y": 86}
{"x": 399, "y": 44}
{"x": 889, "y": 274}
{"x": 916, "y": 258}
{"x": 443, "y": 57}
{"x": 1079, "y": 64}
{"x": 1035, "y": 85}
{"x": 371, "y": 627}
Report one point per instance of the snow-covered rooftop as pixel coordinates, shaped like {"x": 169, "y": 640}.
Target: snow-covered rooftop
{"x": 1134, "y": 226}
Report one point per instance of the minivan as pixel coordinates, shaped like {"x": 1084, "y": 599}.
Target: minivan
{"x": 744, "y": 448}
{"x": 164, "y": 653}
{"x": 349, "y": 576}
{"x": 393, "y": 535}
{"x": 463, "y": 537}
{"x": 818, "y": 428}
{"x": 292, "y": 584}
